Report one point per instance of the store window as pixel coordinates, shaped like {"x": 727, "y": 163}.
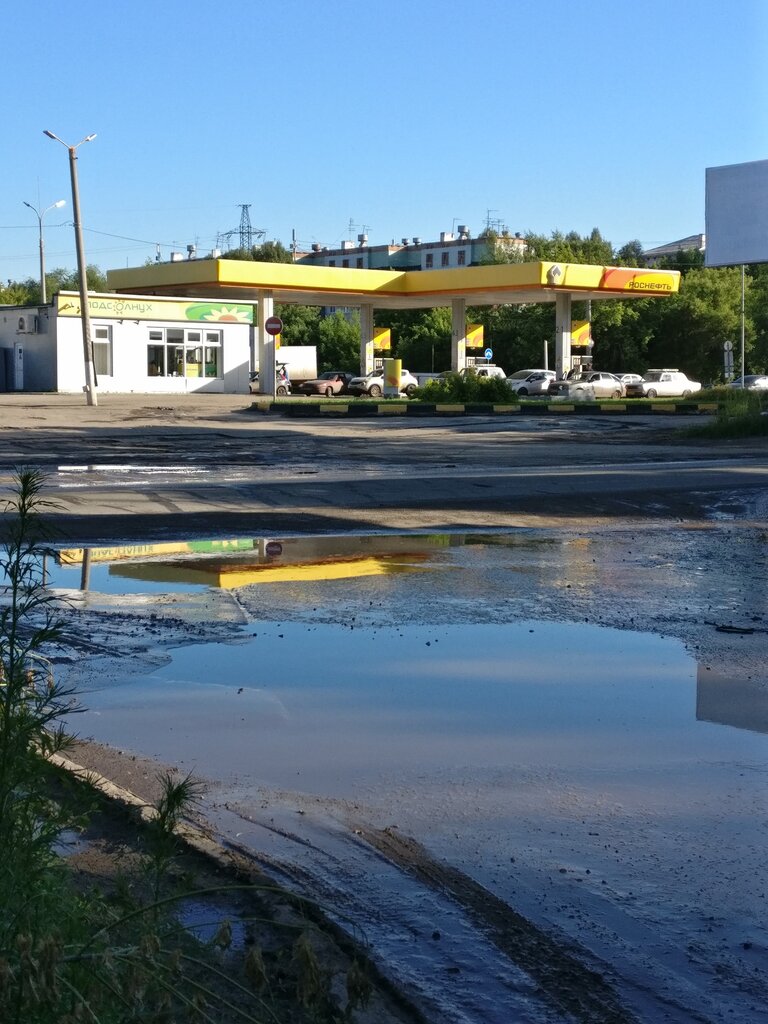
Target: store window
{"x": 179, "y": 352}
{"x": 102, "y": 351}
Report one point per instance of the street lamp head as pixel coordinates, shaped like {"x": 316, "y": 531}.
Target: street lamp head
{"x": 59, "y": 203}
{"x": 28, "y": 204}
{"x": 88, "y": 138}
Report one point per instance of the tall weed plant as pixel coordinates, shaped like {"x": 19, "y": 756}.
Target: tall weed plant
{"x": 741, "y": 413}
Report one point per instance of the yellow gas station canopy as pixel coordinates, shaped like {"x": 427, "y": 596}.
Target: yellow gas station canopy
{"x": 392, "y": 289}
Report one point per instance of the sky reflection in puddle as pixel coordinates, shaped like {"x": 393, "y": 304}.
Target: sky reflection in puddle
{"x": 340, "y": 708}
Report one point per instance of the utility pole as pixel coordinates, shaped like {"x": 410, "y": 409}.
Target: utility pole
{"x": 246, "y": 231}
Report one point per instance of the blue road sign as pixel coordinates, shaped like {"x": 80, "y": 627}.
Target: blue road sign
{"x": 489, "y": 353}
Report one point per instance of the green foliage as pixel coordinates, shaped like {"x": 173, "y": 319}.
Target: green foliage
{"x": 267, "y": 252}
{"x": 421, "y": 338}
{"x": 338, "y": 342}
{"x": 630, "y": 255}
{"x": 691, "y": 326}
{"x": 569, "y": 248}
{"x": 301, "y": 324}
{"x": 467, "y": 387}
{"x": 20, "y": 293}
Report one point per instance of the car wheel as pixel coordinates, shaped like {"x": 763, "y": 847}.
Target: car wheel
{"x": 329, "y": 392}
{"x": 410, "y": 390}
{"x": 281, "y": 390}
{"x": 374, "y": 391}
{"x": 522, "y": 391}
{"x": 616, "y": 394}
{"x": 686, "y": 394}
{"x": 650, "y": 393}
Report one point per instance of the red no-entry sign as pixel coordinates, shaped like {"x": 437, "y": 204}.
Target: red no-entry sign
{"x": 273, "y": 325}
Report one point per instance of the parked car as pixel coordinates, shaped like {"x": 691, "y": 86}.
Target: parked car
{"x": 531, "y": 382}
{"x": 484, "y": 370}
{"x": 629, "y": 378}
{"x": 664, "y": 383}
{"x": 282, "y": 383}
{"x": 373, "y": 384}
{"x": 752, "y": 382}
{"x": 328, "y": 384}
{"x": 593, "y": 384}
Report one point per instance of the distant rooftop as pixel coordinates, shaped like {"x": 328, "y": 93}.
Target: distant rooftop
{"x": 673, "y": 248}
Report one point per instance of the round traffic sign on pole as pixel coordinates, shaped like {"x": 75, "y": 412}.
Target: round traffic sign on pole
{"x": 489, "y": 353}
{"x": 273, "y": 325}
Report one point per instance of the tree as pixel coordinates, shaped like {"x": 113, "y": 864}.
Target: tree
{"x": 338, "y": 343}
{"x": 301, "y": 324}
{"x": 631, "y": 254}
{"x": 61, "y": 280}
{"x": 693, "y": 324}
{"x": 267, "y": 252}
{"x": 426, "y": 344}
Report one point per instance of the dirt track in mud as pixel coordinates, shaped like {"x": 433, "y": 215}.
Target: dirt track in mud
{"x": 695, "y": 508}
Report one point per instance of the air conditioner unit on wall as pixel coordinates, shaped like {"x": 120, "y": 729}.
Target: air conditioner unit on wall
{"x": 27, "y": 325}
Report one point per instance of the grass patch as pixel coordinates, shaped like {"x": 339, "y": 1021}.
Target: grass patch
{"x": 740, "y": 414}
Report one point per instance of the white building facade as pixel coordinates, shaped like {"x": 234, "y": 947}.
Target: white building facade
{"x": 140, "y": 344}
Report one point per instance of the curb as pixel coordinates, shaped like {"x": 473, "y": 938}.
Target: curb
{"x": 316, "y": 410}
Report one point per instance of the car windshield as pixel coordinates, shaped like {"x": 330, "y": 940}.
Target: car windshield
{"x": 652, "y": 375}
{"x": 520, "y": 375}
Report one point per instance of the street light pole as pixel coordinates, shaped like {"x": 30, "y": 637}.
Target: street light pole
{"x": 85, "y": 315}
{"x": 40, "y": 214}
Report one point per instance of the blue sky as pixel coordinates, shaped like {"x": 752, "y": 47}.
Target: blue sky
{"x": 405, "y": 118}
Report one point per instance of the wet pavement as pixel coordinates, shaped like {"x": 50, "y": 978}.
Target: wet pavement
{"x": 578, "y": 741}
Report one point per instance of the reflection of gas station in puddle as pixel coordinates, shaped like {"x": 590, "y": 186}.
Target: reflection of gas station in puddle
{"x": 246, "y": 562}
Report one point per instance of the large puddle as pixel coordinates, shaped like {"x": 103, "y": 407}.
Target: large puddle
{"x": 598, "y": 779}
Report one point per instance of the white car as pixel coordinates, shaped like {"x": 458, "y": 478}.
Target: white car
{"x": 663, "y": 384}
{"x": 531, "y": 382}
{"x": 484, "y": 370}
{"x": 629, "y": 378}
{"x": 372, "y": 384}
{"x": 752, "y": 382}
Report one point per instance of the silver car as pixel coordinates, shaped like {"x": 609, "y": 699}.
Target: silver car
{"x": 531, "y": 382}
{"x": 752, "y": 382}
{"x": 593, "y": 384}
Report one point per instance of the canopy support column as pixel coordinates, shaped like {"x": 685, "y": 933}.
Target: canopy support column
{"x": 458, "y": 334}
{"x": 366, "y": 338}
{"x": 562, "y": 333}
{"x": 265, "y": 307}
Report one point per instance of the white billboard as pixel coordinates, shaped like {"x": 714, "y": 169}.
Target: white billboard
{"x": 737, "y": 214}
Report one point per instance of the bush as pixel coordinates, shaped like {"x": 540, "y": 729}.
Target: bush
{"x": 467, "y": 388}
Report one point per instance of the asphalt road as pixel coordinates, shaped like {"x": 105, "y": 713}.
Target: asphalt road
{"x": 155, "y": 466}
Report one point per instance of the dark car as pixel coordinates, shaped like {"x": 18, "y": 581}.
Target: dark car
{"x": 329, "y": 384}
